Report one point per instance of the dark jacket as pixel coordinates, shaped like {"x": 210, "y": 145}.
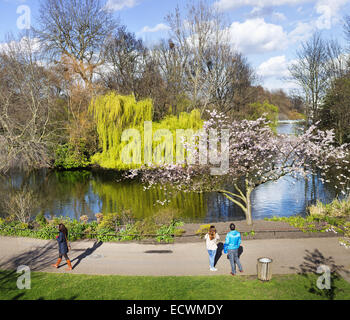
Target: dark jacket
{"x": 62, "y": 243}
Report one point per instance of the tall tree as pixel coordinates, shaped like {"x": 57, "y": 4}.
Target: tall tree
{"x": 201, "y": 58}
{"x": 311, "y": 73}
{"x": 29, "y": 122}
{"x": 335, "y": 111}
{"x": 76, "y": 30}
{"x": 126, "y": 57}
{"x": 255, "y": 156}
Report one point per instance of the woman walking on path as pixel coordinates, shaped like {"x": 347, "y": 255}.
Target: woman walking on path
{"x": 62, "y": 246}
{"x": 232, "y": 244}
{"x": 211, "y": 240}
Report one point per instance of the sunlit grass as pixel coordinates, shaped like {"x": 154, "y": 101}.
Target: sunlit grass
{"x": 51, "y": 286}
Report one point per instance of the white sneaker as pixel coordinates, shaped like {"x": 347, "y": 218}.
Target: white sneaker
{"x": 213, "y": 269}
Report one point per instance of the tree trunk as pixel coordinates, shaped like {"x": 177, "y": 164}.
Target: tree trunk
{"x": 246, "y": 206}
{"x": 248, "y": 212}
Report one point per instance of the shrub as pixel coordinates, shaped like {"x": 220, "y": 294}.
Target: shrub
{"x": 110, "y": 222}
{"x": 179, "y": 232}
{"x": 41, "y": 220}
{"x": 144, "y": 227}
{"x": 334, "y": 209}
{"x": 166, "y": 216}
{"x": 203, "y": 230}
{"x": 84, "y": 219}
{"x": 99, "y": 217}
{"x": 127, "y": 217}
{"x": 69, "y": 156}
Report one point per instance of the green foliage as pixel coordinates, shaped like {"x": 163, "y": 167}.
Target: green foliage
{"x": 41, "y": 220}
{"x": 306, "y": 224}
{"x": 68, "y": 156}
{"x": 334, "y": 113}
{"x": 325, "y": 218}
{"x": 336, "y": 208}
{"x": 250, "y": 233}
{"x": 203, "y": 230}
{"x": 115, "y": 113}
{"x": 109, "y": 222}
{"x": 113, "y": 227}
{"x": 257, "y": 110}
{"x": 48, "y": 232}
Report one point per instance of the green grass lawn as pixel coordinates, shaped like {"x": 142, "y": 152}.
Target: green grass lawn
{"x": 51, "y": 286}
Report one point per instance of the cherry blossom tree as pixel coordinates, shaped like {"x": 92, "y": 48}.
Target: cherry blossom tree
{"x": 256, "y": 156}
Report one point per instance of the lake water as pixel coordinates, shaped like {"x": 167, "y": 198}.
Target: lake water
{"x": 76, "y": 193}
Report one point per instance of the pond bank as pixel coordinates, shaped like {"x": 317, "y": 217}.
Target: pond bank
{"x": 262, "y": 229}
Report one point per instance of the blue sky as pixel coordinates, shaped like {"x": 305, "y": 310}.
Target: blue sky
{"x": 268, "y": 32}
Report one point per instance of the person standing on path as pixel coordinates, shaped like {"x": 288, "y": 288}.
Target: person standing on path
{"x": 62, "y": 246}
{"x": 211, "y": 241}
{"x": 232, "y": 244}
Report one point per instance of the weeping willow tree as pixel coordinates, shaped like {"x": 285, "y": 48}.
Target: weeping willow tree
{"x": 114, "y": 114}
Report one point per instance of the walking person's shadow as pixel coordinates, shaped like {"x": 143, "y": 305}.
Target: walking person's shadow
{"x": 86, "y": 253}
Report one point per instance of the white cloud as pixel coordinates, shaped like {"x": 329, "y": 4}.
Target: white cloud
{"x": 274, "y": 67}
{"x": 279, "y": 16}
{"x": 259, "y": 12}
{"x": 233, "y": 4}
{"x": 275, "y": 74}
{"x": 117, "y": 5}
{"x": 257, "y": 36}
{"x": 158, "y": 27}
{"x": 26, "y": 44}
{"x": 301, "y": 32}
{"x": 329, "y": 12}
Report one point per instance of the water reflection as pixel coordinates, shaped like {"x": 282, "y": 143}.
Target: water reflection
{"x": 79, "y": 193}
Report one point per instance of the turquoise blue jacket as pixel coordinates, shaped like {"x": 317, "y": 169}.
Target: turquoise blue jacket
{"x": 233, "y": 240}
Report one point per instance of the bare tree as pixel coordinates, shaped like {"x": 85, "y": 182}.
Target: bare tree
{"x": 127, "y": 58}
{"x": 193, "y": 37}
{"x": 76, "y": 30}
{"x": 170, "y": 62}
{"x": 27, "y": 107}
{"x": 337, "y": 62}
{"x": 200, "y": 60}
{"x": 311, "y": 73}
{"x": 21, "y": 204}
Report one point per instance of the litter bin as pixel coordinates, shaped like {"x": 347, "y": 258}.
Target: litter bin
{"x": 264, "y": 269}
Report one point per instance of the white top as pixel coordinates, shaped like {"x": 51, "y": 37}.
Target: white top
{"x": 211, "y": 244}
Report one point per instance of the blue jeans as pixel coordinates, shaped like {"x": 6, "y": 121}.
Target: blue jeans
{"x": 233, "y": 256}
{"x": 212, "y": 254}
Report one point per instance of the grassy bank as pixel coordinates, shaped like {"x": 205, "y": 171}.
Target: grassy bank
{"x": 332, "y": 217}
{"x": 51, "y": 286}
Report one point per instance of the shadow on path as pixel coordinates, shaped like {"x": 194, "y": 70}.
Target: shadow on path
{"x": 36, "y": 259}
{"x": 86, "y": 253}
{"x": 308, "y": 269}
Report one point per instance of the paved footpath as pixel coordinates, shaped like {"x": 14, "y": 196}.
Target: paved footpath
{"x": 179, "y": 259}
